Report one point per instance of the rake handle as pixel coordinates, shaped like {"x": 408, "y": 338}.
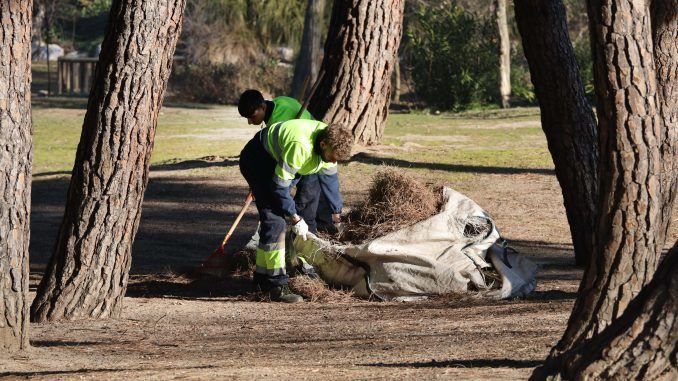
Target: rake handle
{"x": 307, "y": 99}
{"x": 248, "y": 201}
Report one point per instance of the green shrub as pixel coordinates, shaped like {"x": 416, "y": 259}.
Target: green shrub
{"x": 454, "y": 57}
{"x": 522, "y": 91}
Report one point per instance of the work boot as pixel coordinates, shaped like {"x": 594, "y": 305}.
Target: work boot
{"x": 284, "y": 294}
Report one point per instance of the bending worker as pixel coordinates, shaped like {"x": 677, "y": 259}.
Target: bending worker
{"x": 270, "y": 162}
{"x": 326, "y": 213}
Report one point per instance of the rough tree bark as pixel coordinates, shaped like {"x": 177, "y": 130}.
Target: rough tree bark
{"x": 665, "y": 39}
{"x": 16, "y": 157}
{"x": 360, "y": 51}
{"x": 308, "y": 62}
{"x": 626, "y": 240}
{"x": 87, "y": 275}
{"x": 504, "y": 52}
{"x": 642, "y": 344}
{"x": 566, "y": 116}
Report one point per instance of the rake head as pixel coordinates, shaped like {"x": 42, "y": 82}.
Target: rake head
{"x": 215, "y": 265}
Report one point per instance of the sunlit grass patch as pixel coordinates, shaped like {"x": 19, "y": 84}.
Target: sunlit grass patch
{"x": 453, "y": 147}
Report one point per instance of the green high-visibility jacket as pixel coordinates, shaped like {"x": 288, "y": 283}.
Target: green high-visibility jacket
{"x": 284, "y": 109}
{"x": 291, "y": 144}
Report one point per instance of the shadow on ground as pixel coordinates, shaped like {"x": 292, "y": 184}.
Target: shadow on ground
{"x": 94, "y": 371}
{"x": 208, "y": 162}
{"x": 183, "y": 221}
{"x": 203, "y": 287}
{"x": 367, "y": 158}
{"x": 61, "y": 343}
{"x": 479, "y": 363}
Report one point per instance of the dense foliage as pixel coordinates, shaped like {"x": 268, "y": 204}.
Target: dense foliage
{"x": 255, "y": 24}
{"x": 454, "y": 57}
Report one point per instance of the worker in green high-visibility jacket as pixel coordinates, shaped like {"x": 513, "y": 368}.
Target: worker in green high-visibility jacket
{"x": 258, "y": 110}
{"x": 270, "y": 162}
{"x": 326, "y": 214}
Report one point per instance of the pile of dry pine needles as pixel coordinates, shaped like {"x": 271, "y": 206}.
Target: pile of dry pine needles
{"x": 395, "y": 200}
{"x": 316, "y": 290}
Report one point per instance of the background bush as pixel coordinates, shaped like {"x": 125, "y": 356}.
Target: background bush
{"x": 454, "y": 57}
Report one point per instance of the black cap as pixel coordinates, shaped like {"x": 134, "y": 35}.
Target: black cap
{"x": 249, "y": 101}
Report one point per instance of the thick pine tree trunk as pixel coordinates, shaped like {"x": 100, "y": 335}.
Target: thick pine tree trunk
{"x": 87, "y": 275}
{"x": 308, "y": 62}
{"x": 566, "y": 116}
{"x": 642, "y": 344}
{"x": 504, "y": 53}
{"x": 665, "y": 38}
{"x": 360, "y": 53}
{"x": 16, "y": 157}
{"x": 627, "y": 247}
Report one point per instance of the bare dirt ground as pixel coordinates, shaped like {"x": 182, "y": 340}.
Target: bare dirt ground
{"x": 176, "y": 328}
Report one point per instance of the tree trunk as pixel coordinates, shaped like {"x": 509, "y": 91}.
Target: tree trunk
{"x": 665, "y": 38}
{"x": 360, "y": 51}
{"x": 642, "y": 344}
{"x": 566, "y": 116}
{"x": 16, "y": 157}
{"x": 396, "y": 81}
{"x": 87, "y": 275}
{"x": 308, "y": 61}
{"x": 626, "y": 235}
{"x": 504, "y": 53}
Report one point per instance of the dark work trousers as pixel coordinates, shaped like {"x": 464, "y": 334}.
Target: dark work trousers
{"x": 324, "y": 215}
{"x": 306, "y": 200}
{"x": 258, "y": 167}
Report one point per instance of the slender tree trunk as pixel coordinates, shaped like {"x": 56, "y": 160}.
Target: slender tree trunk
{"x": 504, "y": 53}
{"x": 396, "y": 81}
{"x": 665, "y": 38}
{"x": 49, "y": 71}
{"x": 38, "y": 21}
{"x": 360, "y": 52}
{"x": 16, "y": 157}
{"x": 87, "y": 275}
{"x": 566, "y": 116}
{"x": 642, "y": 344}
{"x": 626, "y": 235}
{"x": 308, "y": 61}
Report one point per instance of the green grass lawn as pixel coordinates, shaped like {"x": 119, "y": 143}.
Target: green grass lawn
{"x": 510, "y": 139}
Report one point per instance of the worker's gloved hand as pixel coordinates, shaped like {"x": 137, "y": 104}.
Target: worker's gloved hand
{"x": 338, "y": 226}
{"x": 300, "y": 228}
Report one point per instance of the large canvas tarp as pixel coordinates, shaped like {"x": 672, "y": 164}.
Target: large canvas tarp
{"x": 442, "y": 254}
